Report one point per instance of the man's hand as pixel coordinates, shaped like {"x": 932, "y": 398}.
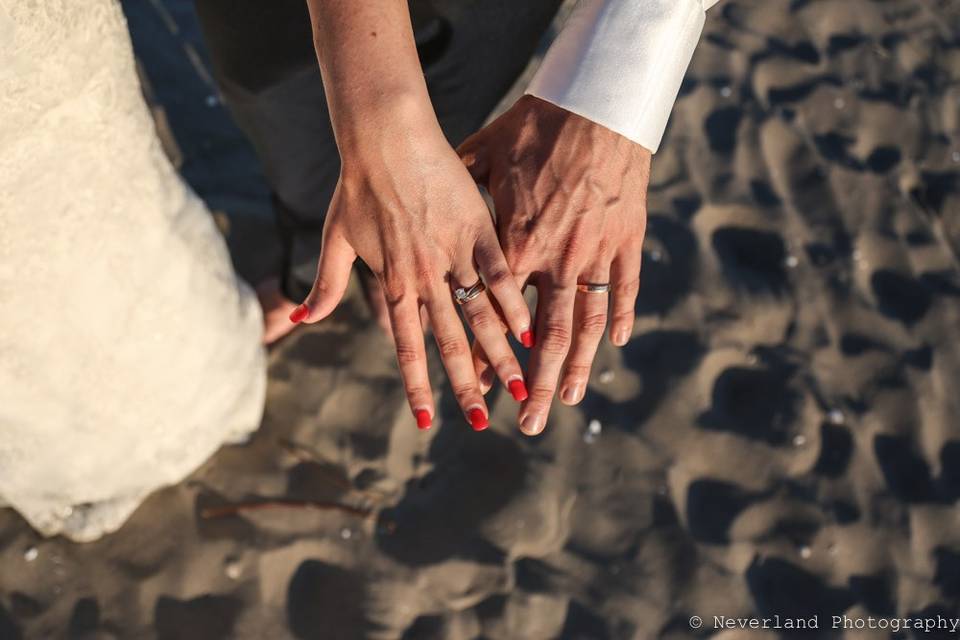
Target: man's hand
{"x": 570, "y": 199}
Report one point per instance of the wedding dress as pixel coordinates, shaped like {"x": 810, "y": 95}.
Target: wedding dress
{"x": 129, "y": 350}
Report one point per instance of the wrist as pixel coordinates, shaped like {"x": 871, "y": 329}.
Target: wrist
{"x": 388, "y": 120}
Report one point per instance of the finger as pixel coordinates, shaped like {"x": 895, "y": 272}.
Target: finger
{"x": 484, "y": 321}
{"x": 333, "y": 275}
{"x": 624, "y": 287}
{"x": 455, "y": 352}
{"x": 474, "y": 159}
{"x": 412, "y": 358}
{"x": 554, "y": 320}
{"x": 481, "y": 364}
{"x": 502, "y": 284}
{"x": 589, "y": 323}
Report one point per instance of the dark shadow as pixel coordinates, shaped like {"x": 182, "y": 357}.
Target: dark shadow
{"x": 582, "y": 624}
{"x": 835, "y": 148}
{"x": 425, "y": 628}
{"x": 781, "y": 588}
{"x": 949, "y": 480}
{"x": 836, "y": 448}
{"x": 85, "y": 618}
{"x": 666, "y": 282}
{"x": 750, "y": 259}
{"x": 758, "y": 404}
{"x": 875, "y": 593}
{"x": 8, "y": 626}
{"x": 900, "y": 297}
{"x": 947, "y": 576}
{"x": 721, "y": 129}
{"x": 208, "y": 617}
{"x": 712, "y": 508}
{"x": 439, "y": 517}
{"x": 660, "y": 357}
{"x": 326, "y": 601}
{"x": 883, "y": 159}
{"x": 856, "y": 344}
{"x": 763, "y": 194}
{"x": 907, "y": 474}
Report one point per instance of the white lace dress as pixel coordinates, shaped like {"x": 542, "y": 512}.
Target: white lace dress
{"x": 129, "y": 350}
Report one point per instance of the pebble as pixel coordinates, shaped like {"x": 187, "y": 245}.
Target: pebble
{"x": 233, "y": 569}
{"x": 836, "y": 416}
{"x": 656, "y": 256}
{"x": 346, "y": 533}
{"x": 31, "y": 554}
{"x": 839, "y": 103}
{"x": 606, "y": 377}
{"x": 792, "y": 261}
{"x": 805, "y": 552}
{"x": 594, "y": 427}
{"x": 726, "y": 92}
{"x": 212, "y": 101}
{"x": 799, "y": 440}
{"x": 956, "y": 156}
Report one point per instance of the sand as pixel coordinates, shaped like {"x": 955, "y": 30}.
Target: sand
{"x": 780, "y": 436}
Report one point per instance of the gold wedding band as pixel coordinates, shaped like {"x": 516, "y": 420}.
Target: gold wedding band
{"x": 463, "y": 295}
{"x": 593, "y": 287}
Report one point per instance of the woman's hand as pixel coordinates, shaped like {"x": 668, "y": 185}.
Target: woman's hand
{"x": 407, "y": 206}
{"x": 412, "y": 212}
{"x": 570, "y": 199}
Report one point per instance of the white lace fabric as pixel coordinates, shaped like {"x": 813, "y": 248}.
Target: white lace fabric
{"x": 129, "y": 350}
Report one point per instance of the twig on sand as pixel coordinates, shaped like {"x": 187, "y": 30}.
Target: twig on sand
{"x": 239, "y": 508}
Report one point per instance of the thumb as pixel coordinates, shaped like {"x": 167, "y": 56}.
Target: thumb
{"x": 474, "y": 158}
{"x": 333, "y": 275}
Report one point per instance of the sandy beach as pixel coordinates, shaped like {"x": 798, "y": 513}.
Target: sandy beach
{"x": 780, "y": 437}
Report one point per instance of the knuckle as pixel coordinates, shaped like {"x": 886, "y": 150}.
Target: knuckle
{"x": 407, "y": 353}
{"x": 592, "y": 324}
{"x": 465, "y": 392}
{"x": 576, "y": 371}
{"x": 451, "y": 347}
{"x": 541, "y": 393}
{"x": 416, "y": 391}
{"x": 478, "y": 317}
{"x": 627, "y": 287}
{"x": 394, "y": 288}
{"x": 498, "y": 278}
{"x": 505, "y": 364}
{"x": 623, "y": 317}
{"x": 555, "y": 340}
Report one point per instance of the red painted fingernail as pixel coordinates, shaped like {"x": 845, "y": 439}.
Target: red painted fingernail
{"x": 518, "y": 390}
{"x": 526, "y": 338}
{"x": 478, "y": 419}
{"x": 424, "y": 421}
{"x": 299, "y": 314}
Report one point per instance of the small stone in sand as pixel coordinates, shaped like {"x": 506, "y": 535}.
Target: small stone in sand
{"x": 805, "y": 552}
{"x": 593, "y": 430}
{"x": 836, "y": 416}
{"x": 30, "y": 554}
{"x": 726, "y": 92}
{"x": 799, "y": 440}
{"x": 233, "y": 569}
{"x": 212, "y": 101}
{"x": 839, "y": 103}
{"x": 606, "y": 377}
{"x": 956, "y": 156}
{"x": 346, "y": 533}
{"x": 792, "y": 261}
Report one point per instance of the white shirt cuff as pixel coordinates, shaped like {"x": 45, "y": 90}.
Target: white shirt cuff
{"x": 620, "y": 63}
